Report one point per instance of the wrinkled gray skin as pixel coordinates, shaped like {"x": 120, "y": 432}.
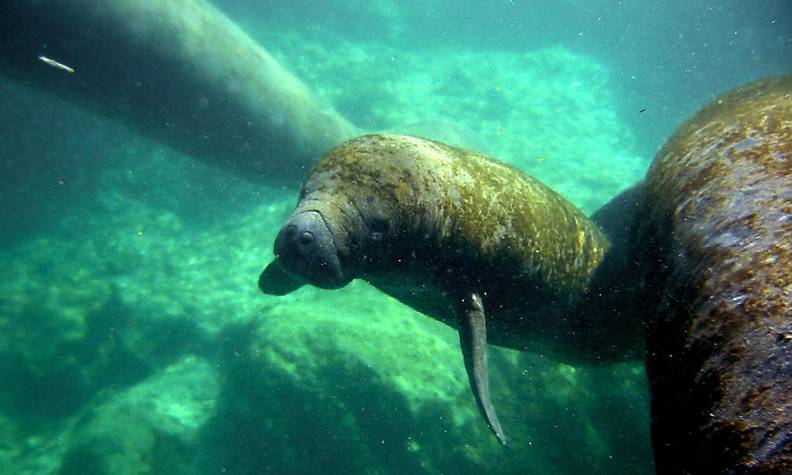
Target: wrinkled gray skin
{"x": 450, "y": 232}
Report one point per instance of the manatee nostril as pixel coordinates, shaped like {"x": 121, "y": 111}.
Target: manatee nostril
{"x": 306, "y": 238}
{"x": 290, "y": 229}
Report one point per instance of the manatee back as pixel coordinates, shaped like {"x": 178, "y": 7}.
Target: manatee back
{"x": 507, "y": 215}
{"x": 713, "y": 254}
{"x": 458, "y": 202}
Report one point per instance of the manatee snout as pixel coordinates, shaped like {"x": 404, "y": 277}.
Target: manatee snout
{"x": 305, "y": 249}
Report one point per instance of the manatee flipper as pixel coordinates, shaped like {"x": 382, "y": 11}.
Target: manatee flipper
{"x": 275, "y": 280}
{"x": 473, "y": 338}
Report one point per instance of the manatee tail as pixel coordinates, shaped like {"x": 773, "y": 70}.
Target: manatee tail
{"x": 473, "y": 339}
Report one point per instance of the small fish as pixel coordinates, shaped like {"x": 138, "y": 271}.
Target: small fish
{"x": 56, "y": 64}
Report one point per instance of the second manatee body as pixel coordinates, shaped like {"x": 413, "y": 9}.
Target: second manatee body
{"x": 457, "y": 236}
{"x": 712, "y": 266}
{"x": 179, "y": 72}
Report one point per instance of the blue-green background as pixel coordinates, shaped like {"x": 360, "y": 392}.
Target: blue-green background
{"x": 133, "y": 338}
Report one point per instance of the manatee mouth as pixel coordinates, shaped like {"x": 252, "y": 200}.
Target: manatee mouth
{"x": 305, "y": 246}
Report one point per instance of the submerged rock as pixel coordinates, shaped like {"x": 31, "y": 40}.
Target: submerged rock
{"x": 150, "y": 428}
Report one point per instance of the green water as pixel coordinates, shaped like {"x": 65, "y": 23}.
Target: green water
{"x": 133, "y": 336}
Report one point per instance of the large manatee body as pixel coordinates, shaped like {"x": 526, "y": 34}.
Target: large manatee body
{"x": 179, "y": 72}
{"x": 457, "y": 236}
{"x": 712, "y": 257}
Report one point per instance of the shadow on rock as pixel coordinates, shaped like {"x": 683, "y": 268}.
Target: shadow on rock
{"x": 56, "y": 366}
{"x": 340, "y": 417}
{"x": 149, "y": 428}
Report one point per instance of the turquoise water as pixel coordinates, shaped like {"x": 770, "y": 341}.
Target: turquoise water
{"x": 134, "y": 338}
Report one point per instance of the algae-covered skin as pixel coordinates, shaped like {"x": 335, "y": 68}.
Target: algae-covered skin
{"x": 712, "y": 252}
{"x": 455, "y": 235}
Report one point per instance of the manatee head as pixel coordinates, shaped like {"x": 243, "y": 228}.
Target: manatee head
{"x": 317, "y": 244}
{"x": 306, "y": 253}
{"x": 349, "y": 210}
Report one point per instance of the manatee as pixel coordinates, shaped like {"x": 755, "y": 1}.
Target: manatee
{"x": 447, "y": 132}
{"x": 181, "y": 73}
{"x": 711, "y": 257}
{"x": 458, "y": 236}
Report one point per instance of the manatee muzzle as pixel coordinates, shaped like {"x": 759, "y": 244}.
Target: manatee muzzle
{"x": 305, "y": 246}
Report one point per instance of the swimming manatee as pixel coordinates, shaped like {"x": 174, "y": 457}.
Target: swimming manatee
{"x": 711, "y": 253}
{"x": 458, "y": 236}
{"x": 179, "y": 72}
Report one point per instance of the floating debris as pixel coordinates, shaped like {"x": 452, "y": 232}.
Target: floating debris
{"x": 56, "y": 64}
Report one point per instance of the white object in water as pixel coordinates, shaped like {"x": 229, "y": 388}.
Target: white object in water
{"x": 56, "y": 64}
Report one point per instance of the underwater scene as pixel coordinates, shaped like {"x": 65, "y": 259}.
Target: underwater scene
{"x": 152, "y": 154}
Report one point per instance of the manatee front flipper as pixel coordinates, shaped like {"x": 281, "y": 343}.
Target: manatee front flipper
{"x": 275, "y": 280}
{"x": 473, "y": 338}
